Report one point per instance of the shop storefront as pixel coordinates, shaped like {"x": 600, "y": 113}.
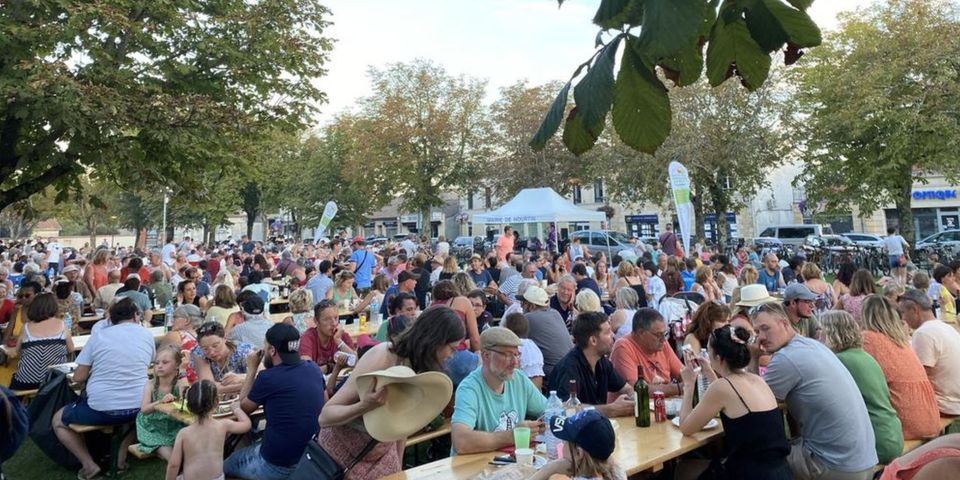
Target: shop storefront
{"x": 710, "y": 226}
{"x": 934, "y": 210}
{"x": 643, "y": 225}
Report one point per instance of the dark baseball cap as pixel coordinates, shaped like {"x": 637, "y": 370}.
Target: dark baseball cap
{"x": 252, "y": 305}
{"x": 589, "y": 430}
{"x": 407, "y": 275}
{"x": 286, "y": 339}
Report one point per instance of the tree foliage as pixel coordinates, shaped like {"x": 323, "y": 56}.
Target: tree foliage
{"x": 114, "y": 87}
{"x": 728, "y": 138}
{"x": 514, "y": 165}
{"x": 739, "y": 37}
{"x": 421, "y": 133}
{"x": 878, "y": 107}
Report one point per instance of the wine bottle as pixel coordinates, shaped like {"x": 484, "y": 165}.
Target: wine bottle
{"x": 641, "y": 398}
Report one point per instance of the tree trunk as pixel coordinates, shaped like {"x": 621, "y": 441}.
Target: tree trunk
{"x": 902, "y": 202}
{"x": 698, "y": 230}
{"x": 425, "y": 227}
{"x": 250, "y": 220}
{"x": 139, "y": 235}
{"x": 720, "y": 205}
{"x": 295, "y": 224}
{"x": 206, "y": 231}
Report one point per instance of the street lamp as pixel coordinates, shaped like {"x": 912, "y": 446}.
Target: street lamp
{"x": 166, "y": 199}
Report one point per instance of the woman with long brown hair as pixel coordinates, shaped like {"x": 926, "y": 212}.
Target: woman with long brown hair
{"x": 861, "y": 287}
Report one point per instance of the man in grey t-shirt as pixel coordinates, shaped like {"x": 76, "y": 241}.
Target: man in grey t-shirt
{"x": 837, "y": 440}
{"x": 547, "y": 329}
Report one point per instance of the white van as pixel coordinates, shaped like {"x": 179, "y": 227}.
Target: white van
{"x": 795, "y": 234}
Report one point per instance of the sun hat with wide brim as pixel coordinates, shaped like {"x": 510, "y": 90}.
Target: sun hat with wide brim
{"x": 753, "y": 295}
{"x": 413, "y": 401}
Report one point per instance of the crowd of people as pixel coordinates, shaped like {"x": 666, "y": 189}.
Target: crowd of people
{"x": 861, "y": 369}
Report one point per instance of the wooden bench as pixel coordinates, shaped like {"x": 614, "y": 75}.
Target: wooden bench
{"x": 116, "y": 432}
{"x": 25, "y": 395}
{"x": 442, "y": 430}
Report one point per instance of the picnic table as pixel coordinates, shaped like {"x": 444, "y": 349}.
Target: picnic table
{"x": 173, "y": 411}
{"x": 638, "y": 450}
{"x": 81, "y": 340}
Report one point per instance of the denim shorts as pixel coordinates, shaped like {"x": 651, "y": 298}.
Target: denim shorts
{"x": 80, "y": 413}
{"x": 894, "y": 261}
{"x": 248, "y": 463}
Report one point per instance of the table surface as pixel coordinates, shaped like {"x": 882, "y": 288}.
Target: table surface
{"x": 81, "y": 340}
{"x": 638, "y": 450}
{"x": 173, "y": 411}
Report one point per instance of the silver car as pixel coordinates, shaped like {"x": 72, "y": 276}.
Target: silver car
{"x": 864, "y": 239}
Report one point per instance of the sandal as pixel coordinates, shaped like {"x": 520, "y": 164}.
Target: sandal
{"x": 83, "y": 476}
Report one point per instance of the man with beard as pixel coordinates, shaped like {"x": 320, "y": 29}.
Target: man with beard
{"x": 495, "y": 398}
{"x": 291, "y": 390}
{"x": 588, "y": 364}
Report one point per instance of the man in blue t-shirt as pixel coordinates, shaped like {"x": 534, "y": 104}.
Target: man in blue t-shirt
{"x": 495, "y": 398}
{"x": 291, "y": 392}
{"x": 362, "y": 262}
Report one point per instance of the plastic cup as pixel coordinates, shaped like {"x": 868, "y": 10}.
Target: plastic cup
{"x": 521, "y": 438}
{"x": 524, "y": 456}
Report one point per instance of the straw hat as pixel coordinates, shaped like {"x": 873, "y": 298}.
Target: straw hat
{"x": 753, "y": 295}
{"x": 413, "y": 401}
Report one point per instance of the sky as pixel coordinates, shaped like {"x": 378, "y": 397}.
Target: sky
{"x": 501, "y": 41}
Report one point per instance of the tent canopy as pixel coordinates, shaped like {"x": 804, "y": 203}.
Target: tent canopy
{"x": 534, "y": 205}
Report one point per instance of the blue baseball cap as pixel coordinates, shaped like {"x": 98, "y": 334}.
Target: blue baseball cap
{"x": 589, "y": 430}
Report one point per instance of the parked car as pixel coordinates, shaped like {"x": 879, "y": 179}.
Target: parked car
{"x": 462, "y": 247}
{"x": 865, "y": 239}
{"x": 608, "y": 241}
{"x": 946, "y": 240}
{"x": 795, "y": 234}
{"x": 834, "y": 243}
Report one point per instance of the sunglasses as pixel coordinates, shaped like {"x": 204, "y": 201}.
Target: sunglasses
{"x": 768, "y": 307}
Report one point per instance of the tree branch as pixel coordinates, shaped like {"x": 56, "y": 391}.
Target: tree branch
{"x": 24, "y": 190}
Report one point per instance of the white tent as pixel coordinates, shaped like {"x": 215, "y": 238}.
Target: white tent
{"x": 536, "y": 205}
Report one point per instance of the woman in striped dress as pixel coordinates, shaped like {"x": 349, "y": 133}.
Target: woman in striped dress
{"x": 44, "y": 341}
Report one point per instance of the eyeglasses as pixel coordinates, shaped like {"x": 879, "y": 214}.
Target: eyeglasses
{"x": 516, "y": 356}
{"x": 664, "y": 335}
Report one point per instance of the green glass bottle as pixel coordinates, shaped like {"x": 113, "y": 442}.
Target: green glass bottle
{"x": 641, "y": 396}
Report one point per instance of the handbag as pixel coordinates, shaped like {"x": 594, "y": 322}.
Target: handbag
{"x": 317, "y": 464}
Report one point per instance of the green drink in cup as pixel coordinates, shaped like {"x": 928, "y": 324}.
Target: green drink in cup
{"x": 521, "y": 437}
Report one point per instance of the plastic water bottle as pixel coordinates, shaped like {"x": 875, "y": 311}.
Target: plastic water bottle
{"x": 168, "y": 315}
{"x": 375, "y": 311}
{"x": 554, "y": 409}
{"x": 702, "y": 382}
{"x": 68, "y": 322}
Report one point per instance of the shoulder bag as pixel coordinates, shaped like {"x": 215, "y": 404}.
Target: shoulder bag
{"x": 317, "y": 464}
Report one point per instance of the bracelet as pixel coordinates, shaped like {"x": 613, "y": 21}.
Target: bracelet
{"x": 342, "y": 344}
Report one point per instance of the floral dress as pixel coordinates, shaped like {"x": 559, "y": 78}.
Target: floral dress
{"x": 157, "y": 429}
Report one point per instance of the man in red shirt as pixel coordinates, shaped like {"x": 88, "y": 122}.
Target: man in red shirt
{"x": 646, "y": 348}
{"x": 321, "y": 343}
{"x": 505, "y": 244}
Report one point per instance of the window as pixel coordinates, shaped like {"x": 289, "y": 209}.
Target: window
{"x": 796, "y": 232}
{"x": 770, "y": 232}
{"x": 598, "y": 239}
{"x": 598, "y": 196}
{"x": 577, "y": 194}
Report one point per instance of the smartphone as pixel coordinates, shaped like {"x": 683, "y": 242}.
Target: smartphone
{"x": 505, "y": 459}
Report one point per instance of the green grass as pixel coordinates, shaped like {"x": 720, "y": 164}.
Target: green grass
{"x": 30, "y": 463}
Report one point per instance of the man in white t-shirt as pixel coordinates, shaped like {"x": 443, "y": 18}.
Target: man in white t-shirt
{"x": 938, "y": 347}
{"x": 121, "y": 355}
{"x": 53, "y": 255}
{"x": 169, "y": 252}
{"x": 409, "y": 246}
{"x": 894, "y": 245}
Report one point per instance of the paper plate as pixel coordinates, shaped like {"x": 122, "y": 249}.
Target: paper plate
{"x": 713, "y": 423}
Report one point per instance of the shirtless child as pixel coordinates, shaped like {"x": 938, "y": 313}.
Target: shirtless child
{"x": 199, "y": 447}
